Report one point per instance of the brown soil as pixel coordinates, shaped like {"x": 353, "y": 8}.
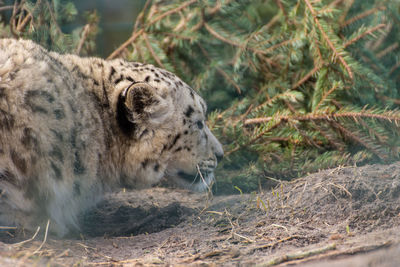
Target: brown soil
{"x": 347, "y": 216}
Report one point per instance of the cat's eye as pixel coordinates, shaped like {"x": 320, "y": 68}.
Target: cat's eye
{"x": 200, "y": 124}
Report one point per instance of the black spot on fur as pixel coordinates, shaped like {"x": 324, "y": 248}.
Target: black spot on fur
{"x": 192, "y": 94}
{"x": 37, "y": 109}
{"x": 95, "y": 82}
{"x": 31, "y": 188}
{"x": 2, "y": 92}
{"x": 164, "y": 148}
{"x": 57, "y": 154}
{"x": 119, "y": 79}
{"x": 57, "y": 171}
{"x": 40, "y": 93}
{"x": 58, "y": 135}
{"x": 77, "y": 188}
{"x": 126, "y": 126}
{"x": 7, "y": 121}
{"x": 145, "y": 163}
{"x": 18, "y": 161}
{"x": 59, "y": 114}
{"x": 189, "y": 111}
{"x": 147, "y": 79}
{"x": 145, "y": 131}
{"x": 112, "y": 72}
{"x": 156, "y": 74}
{"x": 203, "y": 106}
{"x": 157, "y": 80}
{"x": 156, "y": 167}
{"x": 73, "y": 136}
{"x": 186, "y": 132}
{"x": 105, "y": 102}
{"x": 30, "y": 97}
{"x": 9, "y": 177}
{"x": 78, "y": 165}
{"x": 130, "y": 79}
{"x": 175, "y": 140}
{"x": 178, "y": 149}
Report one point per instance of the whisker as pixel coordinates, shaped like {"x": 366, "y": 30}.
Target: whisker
{"x": 201, "y": 176}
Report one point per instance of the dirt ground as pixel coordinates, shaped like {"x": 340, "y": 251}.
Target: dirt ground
{"x": 347, "y": 216}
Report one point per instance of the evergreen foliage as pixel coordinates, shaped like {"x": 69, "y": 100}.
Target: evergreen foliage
{"x": 42, "y": 21}
{"x": 293, "y": 86}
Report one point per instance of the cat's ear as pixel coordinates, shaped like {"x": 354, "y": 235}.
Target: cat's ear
{"x": 141, "y": 105}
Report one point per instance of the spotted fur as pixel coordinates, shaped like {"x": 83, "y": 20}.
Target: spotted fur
{"x": 72, "y": 128}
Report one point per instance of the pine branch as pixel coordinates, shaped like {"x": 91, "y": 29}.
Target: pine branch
{"x": 353, "y": 136}
{"x": 323, "y": 98}
{"x": 306, "y": 77}
{"x": 387, "y": 50}
{"x": 362, "y": 15}
{"x": 368, "y": 32}
{"x": 141, "y": 31}
{"x": 328, "y": 117}
{"x": 328, "y": 41}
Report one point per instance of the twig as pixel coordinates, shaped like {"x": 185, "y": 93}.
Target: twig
{"x": 220, "y": 37}
{"x": 21, "y": 24}
{"x": 8, "y": 227}
{"x": 243, "y": 237}
{"x": 53, "y": 17}
{"x": 85, "y": 33}
{"x": 13, "y": 26}
{"x": 156, "y": 58}
{"x": 169, "y": 12}
{"x": 125, "y": 44}
{"x": 44, "y": 239}
{"x": 201, "y": 176}
{"x": 279, "y": 4}
{"x": 335, "y": 254}
{"x": 28, "y": 240}
{"x": 6, "y": 8}
{"x": 273, "y": 244}
{"x": 139, "y": 19}
{"x": 255, "y": 50}
{"x": 300, "y": 255}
